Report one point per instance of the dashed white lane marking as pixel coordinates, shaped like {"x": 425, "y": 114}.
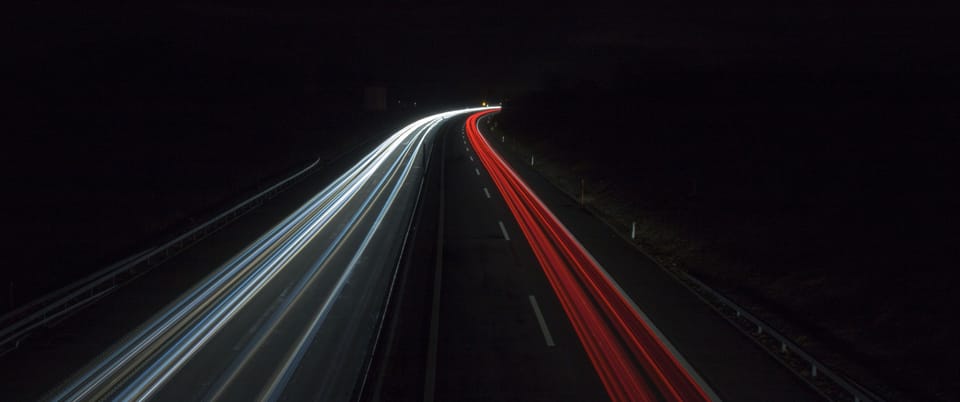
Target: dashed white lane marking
{"x": 471, "y": 158}
{"x": 543, "y": 323}
{"x": 486, "y": 192}
{"x": 504, "y": 230}
{"x": 256, "y": 325}
{"x": 477, "y": 170}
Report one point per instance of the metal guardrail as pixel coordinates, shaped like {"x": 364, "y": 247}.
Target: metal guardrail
{"x": 790, "y": 354}
{"x": 830, "y": 384}
{"x": 19, "y": 323}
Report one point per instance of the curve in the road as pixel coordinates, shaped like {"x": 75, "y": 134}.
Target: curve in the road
{"x": 342, "y": 246}
{"x": 631, "y": 360}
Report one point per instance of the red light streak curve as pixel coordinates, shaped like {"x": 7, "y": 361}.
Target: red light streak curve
{"x": 632, "y": 362}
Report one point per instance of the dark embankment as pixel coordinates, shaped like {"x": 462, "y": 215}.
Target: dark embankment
{"x": 826, "y": 198}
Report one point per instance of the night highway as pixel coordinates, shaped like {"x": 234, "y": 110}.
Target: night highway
{"x": 304, "y": 300}
{"x": 522, "y": 309}
{"x": 509, "y": 201}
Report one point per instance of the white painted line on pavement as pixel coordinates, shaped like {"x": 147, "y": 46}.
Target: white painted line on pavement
{"x": 504, "y": 230}
{"x": 656, "y": 331}
{"x": 486, "y": 192}
{"x": 543, "y": 323}
{"x": 468, "y": 149}
{"x": 256, "y": 325}
{"x": 477, "y": 170}
{"x": 471, "y": 158}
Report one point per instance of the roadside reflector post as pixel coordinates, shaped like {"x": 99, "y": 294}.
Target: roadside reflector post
{"x": 503, "y": 139}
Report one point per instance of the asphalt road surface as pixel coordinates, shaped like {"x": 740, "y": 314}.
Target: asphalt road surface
{"x": 295, "y": 314}
{"x": 473, "y": 310}
{"x": 504, "y": 334}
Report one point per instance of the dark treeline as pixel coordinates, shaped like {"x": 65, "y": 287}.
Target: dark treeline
{"x": 831, "y": 195}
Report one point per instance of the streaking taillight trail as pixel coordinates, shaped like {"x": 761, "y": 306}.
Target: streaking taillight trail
{"x": 633, "y": 363}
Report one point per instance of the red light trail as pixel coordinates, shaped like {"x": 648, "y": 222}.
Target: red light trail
{"x": 632, "y": 362}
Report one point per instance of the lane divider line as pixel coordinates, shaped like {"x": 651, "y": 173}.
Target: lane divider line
{"x": 543, "y": 323}
{"x": 487, "y": 192}
{"x": 477, "y": 170}
{"x": 253, "y": 328}
{"x": 504, "y": 230}
{"x": 631, "y": 360}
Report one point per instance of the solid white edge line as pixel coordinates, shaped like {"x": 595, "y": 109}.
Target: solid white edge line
{"x": 656, "y": 331}
{"x": 673, "y": 350}
{"x": 543, "y": 323}
{"x": 504, "y": 230}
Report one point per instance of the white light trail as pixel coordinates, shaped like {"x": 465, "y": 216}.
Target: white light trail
{"x": 144, "y": 361}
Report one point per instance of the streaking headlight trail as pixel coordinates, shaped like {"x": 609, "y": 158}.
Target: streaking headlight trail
{"x": 295, "y": 311}
{"x": 633, "y": 362}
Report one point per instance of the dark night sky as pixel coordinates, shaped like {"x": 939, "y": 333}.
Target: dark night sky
{"x": 448, "y": 50}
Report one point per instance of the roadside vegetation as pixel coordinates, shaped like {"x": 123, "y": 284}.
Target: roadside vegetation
{"x": 827, "y": 203}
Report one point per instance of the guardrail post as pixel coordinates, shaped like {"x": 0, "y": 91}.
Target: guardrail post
{"x": 787, "y": 346}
